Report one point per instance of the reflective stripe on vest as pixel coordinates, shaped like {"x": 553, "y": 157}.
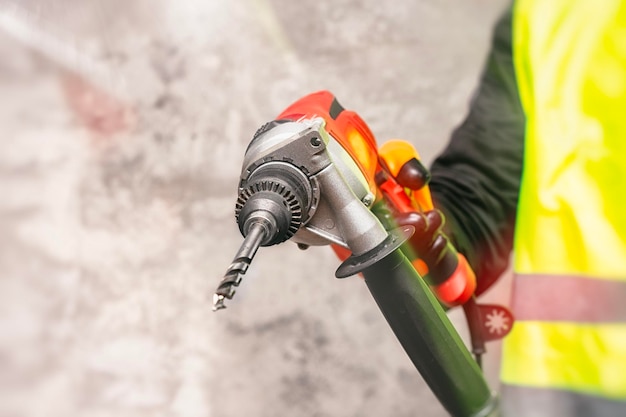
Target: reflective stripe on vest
{"x": 570, "y": 63}
{"x": 569, "y": 298}
{"x": 524, "y": 401}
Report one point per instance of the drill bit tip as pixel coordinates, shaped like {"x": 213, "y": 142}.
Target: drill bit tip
{"x": 239, "y": 266}
{"x": 218, "y": 302}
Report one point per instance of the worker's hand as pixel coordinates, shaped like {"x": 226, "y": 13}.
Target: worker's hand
{"x": 436, "y": 259}
{"x": 405, "y": 189}
{"x": 429, "y": 242}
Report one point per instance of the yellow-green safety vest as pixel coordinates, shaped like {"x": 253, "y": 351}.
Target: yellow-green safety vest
{"x": 569, "y": 296}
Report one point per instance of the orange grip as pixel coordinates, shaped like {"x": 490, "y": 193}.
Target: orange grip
{"x": 459, "y": 287}
{"x": 394, "y": 154}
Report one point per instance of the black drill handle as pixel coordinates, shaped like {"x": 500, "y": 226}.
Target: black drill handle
{"x": 428, "y": 337}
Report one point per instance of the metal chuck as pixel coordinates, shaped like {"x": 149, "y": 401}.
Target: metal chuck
{"x": 269, "y": 210}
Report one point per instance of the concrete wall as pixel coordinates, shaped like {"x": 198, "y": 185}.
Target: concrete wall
{"x": 123, "y": 128}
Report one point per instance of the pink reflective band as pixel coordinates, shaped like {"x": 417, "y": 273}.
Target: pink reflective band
{"x": 568, "y": 298}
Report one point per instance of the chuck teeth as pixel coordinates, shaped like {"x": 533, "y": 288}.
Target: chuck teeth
{"x": 289, "y": 200}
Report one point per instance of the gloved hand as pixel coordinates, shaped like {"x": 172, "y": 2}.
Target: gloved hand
{"x": 429, "y": 242}
{"x": 405, "y": 188}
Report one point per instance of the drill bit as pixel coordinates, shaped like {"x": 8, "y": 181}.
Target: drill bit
{"x": 239, "y": 266}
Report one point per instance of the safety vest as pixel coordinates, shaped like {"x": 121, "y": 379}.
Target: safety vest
{"x": 566, "y": 354}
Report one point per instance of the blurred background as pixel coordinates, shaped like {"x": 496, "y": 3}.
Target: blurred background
{"x": 124, "y": 124}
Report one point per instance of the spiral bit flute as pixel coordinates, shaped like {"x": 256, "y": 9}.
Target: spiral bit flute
{"x": 240, "y": 264}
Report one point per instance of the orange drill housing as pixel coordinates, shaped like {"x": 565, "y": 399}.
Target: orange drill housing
{"x": 347, "y": 128}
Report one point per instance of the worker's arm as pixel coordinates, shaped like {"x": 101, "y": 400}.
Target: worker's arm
{"x": 476, "y": 180}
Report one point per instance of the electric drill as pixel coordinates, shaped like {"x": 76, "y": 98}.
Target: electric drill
{"x": 315, "y": 176}
{"x": 280, "y": 198}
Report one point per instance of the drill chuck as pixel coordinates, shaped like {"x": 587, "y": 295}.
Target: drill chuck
{"x": 273, "y": 203}
{"x": 277, "y": 194}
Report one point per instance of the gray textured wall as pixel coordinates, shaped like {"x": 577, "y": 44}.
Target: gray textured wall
{"x": 123, "y": 127}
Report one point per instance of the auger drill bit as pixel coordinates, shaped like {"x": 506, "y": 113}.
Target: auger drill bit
{"x": 257, "y": 233}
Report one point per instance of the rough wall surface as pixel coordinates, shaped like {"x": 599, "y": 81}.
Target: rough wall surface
{"x": 123, "y": 127}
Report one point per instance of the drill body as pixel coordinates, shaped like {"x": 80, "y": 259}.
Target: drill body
{"x": 316, "y": 176}
{"x": 299, "y": 183}
{"x": 389, "y": 176}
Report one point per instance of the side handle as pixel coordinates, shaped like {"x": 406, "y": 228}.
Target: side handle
{"x": 428, "y": 337}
